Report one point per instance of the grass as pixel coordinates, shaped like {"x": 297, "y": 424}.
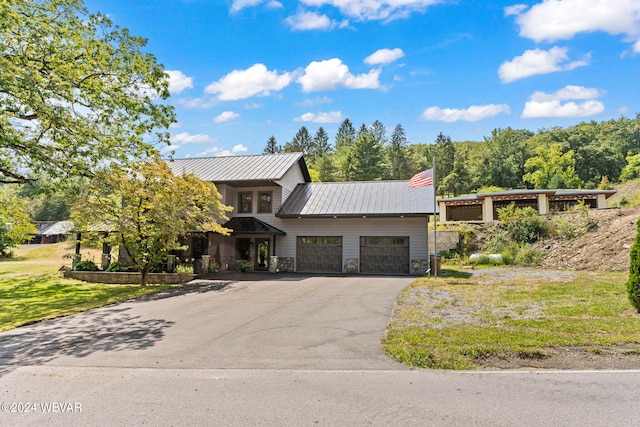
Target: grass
{"x": 453, "y": 322}
{"x": 32, "y": 290}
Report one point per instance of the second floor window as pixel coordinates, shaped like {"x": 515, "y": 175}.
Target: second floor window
{"x": 245, "y": 202}
{"x": 264, "y": 201}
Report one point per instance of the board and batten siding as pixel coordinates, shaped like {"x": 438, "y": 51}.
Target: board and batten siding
{"x": 351, "y": 229}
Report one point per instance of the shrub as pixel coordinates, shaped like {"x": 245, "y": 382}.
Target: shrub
{"x": 86, "y": 265}
{"x": 120, "y": 267}
{"x": 524, "y": 225}
{"x": 184, "y": 268}
{"x": 633, "y": 284}
{"x": 528, "y": 256}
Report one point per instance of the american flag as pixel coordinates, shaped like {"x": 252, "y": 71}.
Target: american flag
{"x": 422, "y": 179}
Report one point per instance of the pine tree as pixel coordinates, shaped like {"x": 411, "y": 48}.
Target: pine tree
{"x": 367, "y": 158}
{"x": 633, "y": 285}
{"x": 272, "y": 146}
{"x": 301, "y": 142}
{"x": 398, "y": 160}
{"x": 346, "y": 135}
{"x": 319, "y": 145}
{"x": 379, "y": 132}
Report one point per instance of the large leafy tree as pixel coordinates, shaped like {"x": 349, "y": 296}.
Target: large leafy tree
{"x": 75, "y": 91}
{"x": 551, "y": 168}
{"x": 503, "y": 158}
{"x": 148, "y": 209}
{"x": 15, "y": 224}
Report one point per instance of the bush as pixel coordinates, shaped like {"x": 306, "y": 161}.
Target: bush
{"x": 528, "y": 256}
{"x": 633, "y": 284}
{"x": 524, "y": 225}
{"x": 184, "y": 268}
{"x": 86, "y": 265}
{"x": 120, "y": 267}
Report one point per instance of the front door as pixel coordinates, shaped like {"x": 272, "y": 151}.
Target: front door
{"x": 262, "y": 254}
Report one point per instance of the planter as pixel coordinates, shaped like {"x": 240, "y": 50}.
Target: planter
{"x": 121, "y": 278}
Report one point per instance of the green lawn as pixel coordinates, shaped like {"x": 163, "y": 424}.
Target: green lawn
{"x": 31, "y": 289}
{"x": 452, "y": 322}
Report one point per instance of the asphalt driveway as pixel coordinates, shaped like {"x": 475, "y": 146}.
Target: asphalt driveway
{"x": 293, "y": 322}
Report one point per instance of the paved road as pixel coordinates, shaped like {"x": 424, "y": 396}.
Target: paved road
{"x": 293, "y": 351}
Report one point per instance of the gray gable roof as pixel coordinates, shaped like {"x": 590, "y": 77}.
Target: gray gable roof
{"x": 268, "y": 167}
{"x": 357, "y": 199}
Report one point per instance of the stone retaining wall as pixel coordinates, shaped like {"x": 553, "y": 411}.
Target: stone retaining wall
{"x": 120, "y": 278}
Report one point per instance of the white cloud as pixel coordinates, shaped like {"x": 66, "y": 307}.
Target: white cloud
{"x": 312, "y": 102}
{"x": 538, "y": 61}
{"x": 543, "y": 104}
{"x": 239, "y": 149}
{"x": 186, "y": 138}
{"x": 221, "y": 152}
{"x": 384, "y": 56}
{"x": 326, "y": 117}
{"x": 471, "y": 114}
{"x": 225, "y": 116}
{"x": 332, "y": 74}
{"x": 367, "y": 10}
{"x": 255, "y": 80}
{"x": 552, "y": 20}
{"x": 516, "y": 9}
{"x": 238, "y": 5}
{"x": 305, "y": 21}
{"x": 178, "y": 81}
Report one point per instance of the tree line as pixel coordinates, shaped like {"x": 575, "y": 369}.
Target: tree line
{"x": 588, "y": 155}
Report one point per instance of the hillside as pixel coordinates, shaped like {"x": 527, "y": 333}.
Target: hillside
{"x": 605, "y": 247}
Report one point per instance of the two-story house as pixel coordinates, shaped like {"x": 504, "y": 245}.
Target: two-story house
{"x": 281, "y": 221}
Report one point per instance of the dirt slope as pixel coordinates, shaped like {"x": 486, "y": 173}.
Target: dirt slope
{"x": 606, "y": 247}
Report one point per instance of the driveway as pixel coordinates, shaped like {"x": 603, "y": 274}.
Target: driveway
{"x": 293, "y": 351}
{"x": 295, "y": 322}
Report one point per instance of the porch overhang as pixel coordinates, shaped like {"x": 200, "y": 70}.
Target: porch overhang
{"x": 251, "y": 225}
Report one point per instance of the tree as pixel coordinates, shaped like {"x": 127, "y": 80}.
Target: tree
{"x": 397, "y": 159}
{"x": 502, "y": 162}
{"x": 633, "y": 284}
{"x": 15, "y": 224}
{"x": 379, "y": 132}
{"x": 301, "y": 142}
{"x": 319, "y": 145}
{"x": 367, "y": 158}
{"x": 445, "y": 154}
{"x": 346, "y": 135}
{"x": 75, "y": 91}
{"x": 149, "y": 209}
{"x": 326, "y": 168}
{"x": 551, "y": 165}
{"x": 272, "y": 146}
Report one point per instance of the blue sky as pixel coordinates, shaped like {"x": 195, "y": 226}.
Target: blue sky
{"x": 244, "y": 70}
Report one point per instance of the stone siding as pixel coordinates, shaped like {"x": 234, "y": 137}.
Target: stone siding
{"x": 351, "y": 265}
{"x": 419, "y": 267}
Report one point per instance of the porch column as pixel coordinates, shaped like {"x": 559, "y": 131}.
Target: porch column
{"x": 443, "y": 212}
{"x": 487, "y": 209}
{"x": 543, "y": 204}
{"x": 601, "y": 201}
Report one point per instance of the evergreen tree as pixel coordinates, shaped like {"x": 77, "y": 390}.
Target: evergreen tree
{"x": 326, "y": 168}
{"x": 301, "y": 142}
{"x": 379, "y": 132}
{"x": 346, "y": 135}
{"x": 272, "y": 146}
{"x": 364, "y": 130}
{"x": 633, "y": 284}
{"x": 397, "y": 157}
{"x": 367, "y": 158}
{"x": 445, "y": 154}
{"x": 319, "y": 145}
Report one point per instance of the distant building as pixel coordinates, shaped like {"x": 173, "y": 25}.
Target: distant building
{"x": 51, "y": 232}
{"x": 484, "y": 207}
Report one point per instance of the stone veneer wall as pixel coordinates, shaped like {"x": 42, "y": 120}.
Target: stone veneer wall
{"x": 351, "y": 265}
{"x": 282, "y": 264}
{"x": 419, "y": 267}
{"x": 120, "y": 278}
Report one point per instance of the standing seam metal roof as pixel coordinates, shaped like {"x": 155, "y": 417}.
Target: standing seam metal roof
{"x": 352, "y": 199}
{"x": 268, "y": 167}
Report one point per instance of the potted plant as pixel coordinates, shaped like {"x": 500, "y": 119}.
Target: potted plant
{"x": 244, "y": 266}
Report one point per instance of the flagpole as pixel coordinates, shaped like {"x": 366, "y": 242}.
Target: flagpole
{"x": 435, "y": 224}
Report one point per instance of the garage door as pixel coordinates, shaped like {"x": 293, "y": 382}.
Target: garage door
{"x": 319, "y": 254}
{"x": 384, "y": 255}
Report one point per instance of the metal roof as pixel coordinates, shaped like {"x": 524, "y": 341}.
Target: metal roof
{"x": 267, "y": 167}
{"x": 532, "y": 193}
{"x": 251, "y": 225}
{"x": 357, "y": 199}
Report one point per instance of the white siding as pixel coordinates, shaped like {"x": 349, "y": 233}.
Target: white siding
{"x": 350, "y": 229}
{"x": 289, "y": 181}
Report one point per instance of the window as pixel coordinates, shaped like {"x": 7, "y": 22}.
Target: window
{"x": 331, "y": 241}
{"x": 308, "y": 240}
{"x": 245, "y": 202}
{"x": 264, "y": 201}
